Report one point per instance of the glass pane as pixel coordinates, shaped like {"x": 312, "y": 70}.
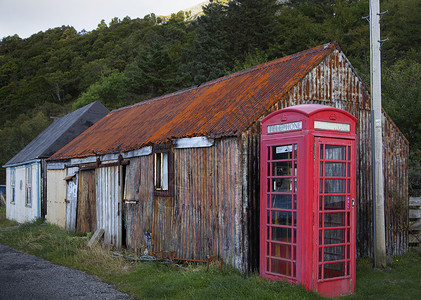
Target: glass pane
{"x": 335, "y": 152}
{"x": 349, "y": 152}
{"x": 334, "y": 236}
{"x": 334, "y": 202}
{"x": 282, "y": 201}
{"x": 282, "y": 251}
{"x": 347, "y": 252}
{"x": 321, "y": 151}
{"x": 280, "y": 234}
{"x": 281, "y": 152}
{"x": 295, "y": 151}
{"x": 321, "y": 169}
{"x": 282, "y": 185}
{"x": 334, "y": 253}
{"x": 320, "y": 272}
{"x": 282, "y": 168}
{"x": 165, "y": 171}
{"x": 334, "y": 270}
{"x": 294, "y": 253}
{"x": 282, "y": 218}
{"x": 335, "y": 169}
{"x": 333, "y": 186}
{"x": 334, "y": 219}
{"x": 295, "y": 168}
{"x": 281, "y": 267}
{"x": 321, "y": 203}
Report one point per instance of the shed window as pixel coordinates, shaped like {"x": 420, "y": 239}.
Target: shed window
{"x": 28, "y": 190}
{"x": 163, "y": 170}
{"x": 12, "y": 186}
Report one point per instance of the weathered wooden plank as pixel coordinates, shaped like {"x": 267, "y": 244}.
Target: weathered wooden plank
{"x": 414, "y": 201}
{"x": 86, "y": 208}
{"x": 415, "y": 213}
{"x": 415, "y": 238}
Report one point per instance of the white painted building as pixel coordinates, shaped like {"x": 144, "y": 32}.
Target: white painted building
{"x": 26, "y": 172}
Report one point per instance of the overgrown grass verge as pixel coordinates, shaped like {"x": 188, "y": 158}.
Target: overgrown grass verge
{"x": 151, "y": 280}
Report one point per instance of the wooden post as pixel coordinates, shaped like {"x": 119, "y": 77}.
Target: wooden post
{"x": 375, "y": 62}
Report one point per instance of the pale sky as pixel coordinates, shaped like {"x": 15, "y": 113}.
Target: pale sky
{"x": 26, "y": 17}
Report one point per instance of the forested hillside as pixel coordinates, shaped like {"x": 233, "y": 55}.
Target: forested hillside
{"x": 130, "y": 60}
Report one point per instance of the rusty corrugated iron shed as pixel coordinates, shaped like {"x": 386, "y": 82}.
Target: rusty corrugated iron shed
{"x": 223, "y": 107}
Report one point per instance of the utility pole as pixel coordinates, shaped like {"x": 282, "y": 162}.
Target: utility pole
{"x": 376, "y": 106}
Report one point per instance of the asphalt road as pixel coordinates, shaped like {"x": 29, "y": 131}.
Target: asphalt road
{"x": 24, "y": 276}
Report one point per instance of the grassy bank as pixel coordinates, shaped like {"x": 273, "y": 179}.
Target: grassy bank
{"x": 146, "y": 280}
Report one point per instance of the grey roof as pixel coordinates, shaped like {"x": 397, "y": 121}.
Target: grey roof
{"x": 59, "y": 133}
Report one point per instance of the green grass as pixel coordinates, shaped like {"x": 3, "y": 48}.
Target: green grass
{"x": 151, "y": 280}
{"x": 3, "y": 221}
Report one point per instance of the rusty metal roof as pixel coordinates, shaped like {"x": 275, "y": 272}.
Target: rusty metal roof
{"x": 223, "y": 107}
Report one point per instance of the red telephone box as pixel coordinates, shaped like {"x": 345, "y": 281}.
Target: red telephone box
{"x": 308, "y": 190}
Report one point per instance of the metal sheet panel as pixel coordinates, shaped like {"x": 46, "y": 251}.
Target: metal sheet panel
{"x": 108, "y": 198}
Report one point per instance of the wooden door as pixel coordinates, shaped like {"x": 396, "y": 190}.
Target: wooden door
{"x": 86, "y": 208}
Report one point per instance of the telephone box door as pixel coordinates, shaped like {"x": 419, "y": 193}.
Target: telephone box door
{"x": 335, "y": 189}
{"x": 279, "y": 231}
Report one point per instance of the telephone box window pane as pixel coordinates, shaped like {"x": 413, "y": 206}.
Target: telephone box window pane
{"x": 267, "y": 249}
{"x": 281, "y": 152}
{"x": 321, "y": 203}
{"x": 282, "y": 168}
{"x": 333, "y": 186}
{"x": 335, "y": 152}
{"x": 335, "y": 169}
{"x": 334, "y": 253}
{"x": 347, "y": 268}
{"x": 280, "y": 234}
{"x": 295, "y": 185}
{"x": 295, "y": 168}
{"x": 282, "y": 201}
{"x": 281, "y": 251}
{"x": 349, "y": 170}
{"x": 295, "y": 201}
{"x": 294, "y": 253}
{"x": 281, "y": 267}
{"x": 321, "y": 151}
{"x": 320, "y": 254}
{"x": 347, "y": 235}
{"x": 347, "y": 253}
{"x": 268, "y": 201}
{"x": 295, "y": 151}
{"x": 282, "y": 185}
{"x": 334, "y": 202}
{"x": 320, "y": 272}
{"x": 334, "y": 270}
{"x": 348, "y": 184}
{"x": 334, "y": 236}
{"x": 334, "y": 219}
{"x": 268, "y": 169}
{"x": 321, "y": 169}
{"x": 349, "y": 152}
{"x": 282, "y": 218}
{"x": 321, "y": 186}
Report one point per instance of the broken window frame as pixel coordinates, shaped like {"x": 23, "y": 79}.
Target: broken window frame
{"x": 163, "y": 172}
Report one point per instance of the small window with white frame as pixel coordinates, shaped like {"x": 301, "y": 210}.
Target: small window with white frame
{"x": 12, "y": 186}
{"x": 28, "y": 187}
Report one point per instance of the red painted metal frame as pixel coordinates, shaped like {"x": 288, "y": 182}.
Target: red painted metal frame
{"x": 308, "y": 140}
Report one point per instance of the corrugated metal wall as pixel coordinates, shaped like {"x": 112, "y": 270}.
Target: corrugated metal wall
{"x": 108, "y": 197}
